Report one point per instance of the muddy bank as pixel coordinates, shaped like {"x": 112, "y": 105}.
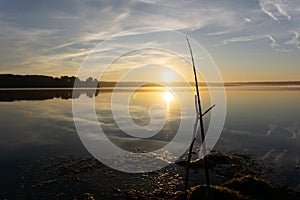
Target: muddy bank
{"x": 233, "y": 176}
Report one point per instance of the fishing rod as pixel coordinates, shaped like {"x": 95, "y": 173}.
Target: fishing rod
{"x": 200, "y": 119}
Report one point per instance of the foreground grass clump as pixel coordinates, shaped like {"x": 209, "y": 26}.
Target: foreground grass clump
{"x": 258, "y": 188}
{"x": 242, "y": 188}
{"x": 218, "y": 192}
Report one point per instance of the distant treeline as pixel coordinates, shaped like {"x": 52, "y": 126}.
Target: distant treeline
{"x": 41, "y": 81}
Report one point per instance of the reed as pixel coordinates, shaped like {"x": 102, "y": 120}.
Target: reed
{"x": 199, "y": 118}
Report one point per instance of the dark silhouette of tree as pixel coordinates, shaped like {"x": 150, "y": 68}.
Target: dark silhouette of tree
{"x": 40, "y": 81}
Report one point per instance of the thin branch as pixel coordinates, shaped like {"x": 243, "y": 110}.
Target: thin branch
{"x": 208, "y": 110}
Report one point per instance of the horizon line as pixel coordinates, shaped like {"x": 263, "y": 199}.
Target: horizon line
{"x": 173, "y": 82}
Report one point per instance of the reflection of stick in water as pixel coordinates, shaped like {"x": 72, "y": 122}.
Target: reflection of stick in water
{"x": 199, "y": 118}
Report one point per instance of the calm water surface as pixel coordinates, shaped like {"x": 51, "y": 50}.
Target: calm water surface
{"x": 261, "y": 121}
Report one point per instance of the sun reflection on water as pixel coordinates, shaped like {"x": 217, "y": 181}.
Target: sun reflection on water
{"x": 167, "y": 97}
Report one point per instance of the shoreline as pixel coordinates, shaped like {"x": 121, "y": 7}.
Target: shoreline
{"x": 78, "y": 177}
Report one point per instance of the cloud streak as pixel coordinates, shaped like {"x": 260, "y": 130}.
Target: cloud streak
{"x": 244, "y": 39}
{"x": 276, "y": 9}
{"x": 295, "y": 40}
{"x": 273, "y": 43}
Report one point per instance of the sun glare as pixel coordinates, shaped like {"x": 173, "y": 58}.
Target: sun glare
{"x": 168, "y": 96}
{"x": 168, "y": 77}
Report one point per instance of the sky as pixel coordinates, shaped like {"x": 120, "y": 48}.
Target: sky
{"x": 248, "y": 40}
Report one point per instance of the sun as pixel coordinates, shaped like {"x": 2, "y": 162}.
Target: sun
{"x": 168, "y": 77}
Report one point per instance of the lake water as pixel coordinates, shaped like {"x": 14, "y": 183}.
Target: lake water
{"x": 262, "y": 121}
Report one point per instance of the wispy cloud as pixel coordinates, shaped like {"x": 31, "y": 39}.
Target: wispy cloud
{"x": 273, "y": 43}
{"x": 244, "y": 39}
{"x": 295, "y": 40}
{"x": 276, "y": 9}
